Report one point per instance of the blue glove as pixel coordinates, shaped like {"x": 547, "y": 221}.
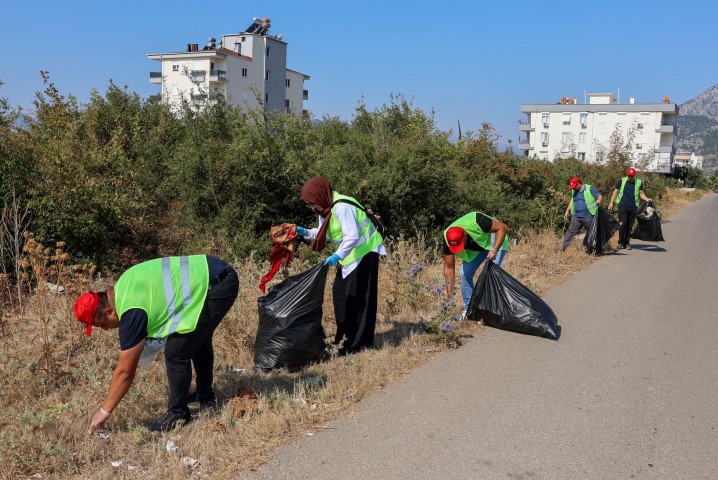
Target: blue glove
{"x": 301, "y": 231}
{"x": 331, "y": 261}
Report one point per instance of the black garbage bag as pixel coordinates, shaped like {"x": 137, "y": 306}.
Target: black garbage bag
{"x": 290, "y": 332}
{"x": 603, "y": 226}
{"x": 503, "y": 302}
{"x": 648, "y": 226}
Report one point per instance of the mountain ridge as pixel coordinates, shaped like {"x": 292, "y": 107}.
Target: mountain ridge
{"x": 698, "y": 127}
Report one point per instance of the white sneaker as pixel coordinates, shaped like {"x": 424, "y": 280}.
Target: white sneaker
{"x": 461, "y": 316}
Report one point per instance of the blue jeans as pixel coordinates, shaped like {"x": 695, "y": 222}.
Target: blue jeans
{"x": 468, "y": 270}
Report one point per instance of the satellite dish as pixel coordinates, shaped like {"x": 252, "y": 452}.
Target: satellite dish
{"x": 280, "y": 36}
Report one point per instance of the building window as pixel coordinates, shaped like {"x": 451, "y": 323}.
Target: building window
{"x": 582, "y": 137}
{"x": 244, "y": 39}
{"x": 267, "y": 52}
{"x": 544, "y": 138}
{"x": 175, "y": 90}
{"x": 175, "y": 67}
{"x": 544, "y": 119}
{"x": 599, "y": 156}
{"x": 566, "y": 137}
{"x": 582, "y": 156}
{"x": 286, "y": 103}
{"x": 641, "y": 157}
{"x": 266, "y": 74}
{"x": 286, "y": 82}
{"x": 244, "y": 72}
{"x": 266, "y": 98}
{"x": 584, "y": 118}
{"x": 567, "y": 119}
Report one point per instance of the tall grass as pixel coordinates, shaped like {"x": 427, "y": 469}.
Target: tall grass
{"x": 52, "y": 378}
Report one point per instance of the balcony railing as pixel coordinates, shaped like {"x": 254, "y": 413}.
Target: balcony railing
{"x": 198, "y": 75}
{"x": 217, "y": 76}
{"x": 198, "y": 97}
{"x": 306, "y": 94}
{"x": 155, "y": 77}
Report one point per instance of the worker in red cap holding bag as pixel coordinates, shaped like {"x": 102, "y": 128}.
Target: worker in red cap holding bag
{"x": 473, "y": 238}
{"x": 583, "y": 205}
{"x": 175, "y": 301}
{"x": 628, "y": 195}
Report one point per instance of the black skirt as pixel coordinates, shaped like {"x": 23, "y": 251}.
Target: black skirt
{"x": 355, "y": 299}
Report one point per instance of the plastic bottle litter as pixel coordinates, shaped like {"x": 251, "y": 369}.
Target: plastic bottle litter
{"x": 152, "y": 348}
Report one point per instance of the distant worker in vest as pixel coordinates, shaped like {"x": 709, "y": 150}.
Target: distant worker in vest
{"x": 628, "y": 195}
{"x": 473, "y": 238}
{"x": 175, "y": 301}
{"x": 583, "y": 205}
{"x": 357, "y": 247}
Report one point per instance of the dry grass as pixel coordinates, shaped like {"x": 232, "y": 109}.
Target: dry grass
{"x": 52, "y": 378}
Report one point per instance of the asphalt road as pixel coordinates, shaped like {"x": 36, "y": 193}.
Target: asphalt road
{"x": 629, "y": 391}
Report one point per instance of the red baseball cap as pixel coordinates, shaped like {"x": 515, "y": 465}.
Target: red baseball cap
{"x": 455, "y": 239}
{"x": 631, "y": 172}
{"x": 85, "y": 309}
{"x": 573, "y": 182}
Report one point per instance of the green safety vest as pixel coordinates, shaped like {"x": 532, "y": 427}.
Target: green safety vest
{"x": 636, "y": 191}
{"x": 590, "y": 201}
{"x": 483, "y": 239}
{"x": 171, "y": 291}
{"x": 369, "y": 237}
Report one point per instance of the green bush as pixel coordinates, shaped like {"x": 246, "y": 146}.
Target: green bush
{"x": 122, "y": 179}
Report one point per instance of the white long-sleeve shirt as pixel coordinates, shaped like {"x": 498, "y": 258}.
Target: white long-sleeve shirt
{"x": 346, "y": 214}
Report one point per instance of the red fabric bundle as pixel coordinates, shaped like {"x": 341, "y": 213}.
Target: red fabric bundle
{"x": 284, "y": 237}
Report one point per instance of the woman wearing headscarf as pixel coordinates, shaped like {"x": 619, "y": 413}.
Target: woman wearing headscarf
{"x": 357, "y": 247}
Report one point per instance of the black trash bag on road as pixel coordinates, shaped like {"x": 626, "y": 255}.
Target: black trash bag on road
{"x": 603, "y": 226}
{"x": 290, "y": 332}
{"x": 648, "y": 226}
{"x": 503, "y": 302}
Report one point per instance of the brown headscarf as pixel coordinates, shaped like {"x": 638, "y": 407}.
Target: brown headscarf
{"x": 318, "y": 191}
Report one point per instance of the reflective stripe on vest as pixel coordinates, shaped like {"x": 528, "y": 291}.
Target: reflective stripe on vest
{"x": 369, "y": 237}
{"x": 483, "y": 239}
{"x": 171, "y": 291}
{"x": 636, "y": 191}
{"x": 588, "y": 197}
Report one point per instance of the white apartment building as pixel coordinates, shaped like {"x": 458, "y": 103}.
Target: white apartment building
{"x": 570, "y": 129}
{"x": 248, "y": 68}
{"x": 685, "y": 159}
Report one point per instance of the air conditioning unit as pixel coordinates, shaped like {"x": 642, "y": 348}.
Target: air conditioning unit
{"x": 545, "y": 124}
{"x": 583, "y": 124}
{"x": 545, "y": 144}
{"x": 639, "y": 126}
{"x": 639, "y": 146}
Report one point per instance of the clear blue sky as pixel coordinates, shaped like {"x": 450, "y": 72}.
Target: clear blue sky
{"x": 473, "y": 61}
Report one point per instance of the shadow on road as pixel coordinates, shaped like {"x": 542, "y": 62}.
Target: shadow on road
{"x": 648, "y": 248}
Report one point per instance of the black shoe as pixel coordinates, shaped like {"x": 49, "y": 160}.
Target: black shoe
{"x": 169, "y": 421}
{"x": 208, "y": 403}
{"x": 628, "y": 247}
{"x": 621, "y": 247}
